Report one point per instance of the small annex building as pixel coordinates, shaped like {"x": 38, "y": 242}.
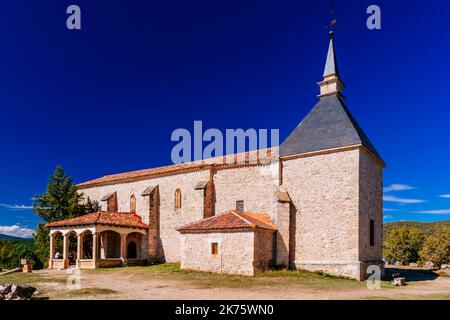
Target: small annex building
{"x": 235, "y": 242}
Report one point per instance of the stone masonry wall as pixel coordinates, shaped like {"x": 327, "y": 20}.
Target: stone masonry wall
{"x": 325, "y": 195}
{"x": 235, "y": 255}
{"x": 169, "y": 218}
{"x": 264, "y": 245}
{"x": 330, "y": 211}
{"x": 371, "y": 207}
{"x": 254, "y": 185}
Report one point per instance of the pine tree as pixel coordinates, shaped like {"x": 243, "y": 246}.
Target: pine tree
{"x": 60, "y": 201}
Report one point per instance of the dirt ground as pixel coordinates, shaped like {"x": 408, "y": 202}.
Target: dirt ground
{"x": 143, "y": 283}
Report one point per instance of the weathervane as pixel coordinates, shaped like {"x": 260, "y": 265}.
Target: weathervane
{"x": 332, "y": 17}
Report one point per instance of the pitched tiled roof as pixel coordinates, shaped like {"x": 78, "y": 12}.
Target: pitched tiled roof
{"x": 117, "y": 219}
{"x": 233, "y": 219}
{"x": 262, "y": 156}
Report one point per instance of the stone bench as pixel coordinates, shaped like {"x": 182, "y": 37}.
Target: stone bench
{"x": 400, "y": 282}
{"x": 27, "y": 265}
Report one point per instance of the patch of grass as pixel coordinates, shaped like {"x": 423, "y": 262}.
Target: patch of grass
{"x": 84, "y": 292}
{"x": 410, "y": 297}
{"x": 377, "y": 298}
{"x": 20, "y": 278}
{"x": 27, "y": 278}
{"x": 90, "y": 292}
{"x": 443, "y": 273}
{"x": 271, "y": 278}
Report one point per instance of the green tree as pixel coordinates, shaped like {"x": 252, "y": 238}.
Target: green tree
{"x": 60, "y": 201}
{"x": 11, "y": 252}
{"x": 437, "y": 247}
{"x": 403, "y": 244}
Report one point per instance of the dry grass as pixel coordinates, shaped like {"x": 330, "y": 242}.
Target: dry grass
{"x": 94, "y": 292}
{"x": 272, "y": 278}
{"x": 166, "y": 277}
{"x": 410, "y": 297}
{"x": 27, "y": 278}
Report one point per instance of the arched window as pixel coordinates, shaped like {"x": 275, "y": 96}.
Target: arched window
{"x": 133, "y": 203}
{"x": 177, "y": 199}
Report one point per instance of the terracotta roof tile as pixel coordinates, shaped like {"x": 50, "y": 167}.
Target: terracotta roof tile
{"x": 117, "y": 219}
{"x": 262, "y": 156}
{"x": 233, "y": 219}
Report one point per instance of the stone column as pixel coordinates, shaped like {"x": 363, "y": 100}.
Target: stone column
{"x": 123, "y": 247}
{"x": 65, "y": 250}
{"x": 52, "y": 251}
{"x": 79, "y": 250}
{"x": 94, "y": 249}
{"x": 104, "y": 245}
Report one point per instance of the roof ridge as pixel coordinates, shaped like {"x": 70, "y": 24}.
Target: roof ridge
{"x": 235, "y": 212}
{"x": 257, "y": 216}
{"x": 204, "y": 219}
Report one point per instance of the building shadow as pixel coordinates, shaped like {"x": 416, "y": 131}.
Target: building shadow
{"x": 411, "y": 275}
{"x": 292, "y": 234}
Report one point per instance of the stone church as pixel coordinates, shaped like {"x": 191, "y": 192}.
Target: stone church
{"x": 314, "y": 203}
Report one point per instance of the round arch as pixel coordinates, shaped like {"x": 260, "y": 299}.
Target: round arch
{"x": 131, "y": 250}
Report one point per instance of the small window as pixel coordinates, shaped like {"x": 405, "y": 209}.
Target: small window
{"x": 214, "y": 248}
{"x": 177, "y": 199}
{"x": 372, "y": 232}
{"x": 240, "y": 205}
{"x": 133, "y": 203}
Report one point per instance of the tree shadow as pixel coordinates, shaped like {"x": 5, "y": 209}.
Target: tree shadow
{"x": 411, "y": 275}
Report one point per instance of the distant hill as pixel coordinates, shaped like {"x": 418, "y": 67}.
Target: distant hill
{"x": 6, "y": 237}
{"x": 427, "y": 227}
{"x": 28, "y": 242}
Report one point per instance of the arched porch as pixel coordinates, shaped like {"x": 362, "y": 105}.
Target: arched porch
{"x": 91, "y": 246}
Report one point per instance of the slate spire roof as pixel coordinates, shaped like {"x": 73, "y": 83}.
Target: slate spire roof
{"x": 331, "y": 66}
{"x": 329, "y": 124}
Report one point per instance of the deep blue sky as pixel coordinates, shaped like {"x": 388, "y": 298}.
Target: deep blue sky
{"x": 105, "y": 99}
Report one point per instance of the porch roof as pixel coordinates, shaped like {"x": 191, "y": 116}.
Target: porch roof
{"x": 117, "y": 219}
